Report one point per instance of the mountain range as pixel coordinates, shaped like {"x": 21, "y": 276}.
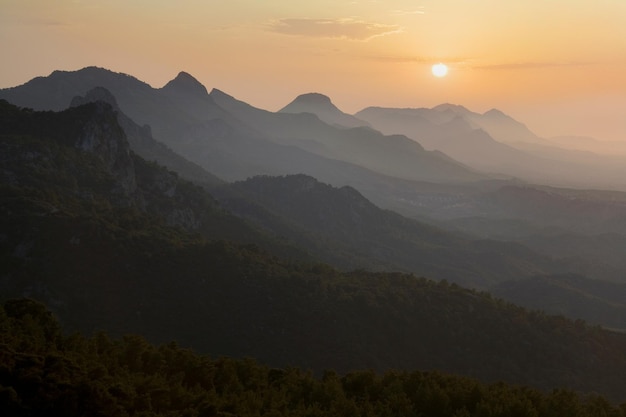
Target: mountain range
{"x": 494, "y": 142}
{"x": 94, "y": 226}
{"x": 124, "y": 247}
{"x": 234, "y": 140}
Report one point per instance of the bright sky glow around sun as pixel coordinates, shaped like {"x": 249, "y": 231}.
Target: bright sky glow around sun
{"x": 559, "y": 66}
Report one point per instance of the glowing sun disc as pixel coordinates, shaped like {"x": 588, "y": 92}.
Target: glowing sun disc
{"x": 439, "y": 70}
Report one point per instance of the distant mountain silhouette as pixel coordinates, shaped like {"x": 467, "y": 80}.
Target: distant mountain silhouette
{"x": 503, "y": 127}
{"x": 450, "y": 129}
{"x": 321, "y": 106}
{"x": 589, "y": 144}
{"x": 234, "y": 146}
{"x": 56, "y": 91}
{"x": 395, "y": 155}
{"x": 186, "y": 84}
{"x": 494, "y": 142}
{"x": 497, "y": 124}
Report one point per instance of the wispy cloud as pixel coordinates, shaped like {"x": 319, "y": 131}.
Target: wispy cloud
{"x": 419, "y": 59}
{"x": 529, "y": 65}
{"x": 350, "y": 29}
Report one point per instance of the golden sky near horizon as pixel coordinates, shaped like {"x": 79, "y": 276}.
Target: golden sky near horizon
{"x": 558, "y": 66}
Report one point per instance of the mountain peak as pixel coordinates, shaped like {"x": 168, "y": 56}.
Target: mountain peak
{"x": 216, "y": 93}
{"x": 310, "y": 103}
{"x": 185, "y": 83}
{"x": 495, "y": 113}
{"x": 322, "y": 107}
{"x": 313, "y": 98}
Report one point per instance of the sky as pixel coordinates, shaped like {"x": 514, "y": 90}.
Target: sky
{"x": 558, "y": 66}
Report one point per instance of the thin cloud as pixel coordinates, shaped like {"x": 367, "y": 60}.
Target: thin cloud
{"x": 418, "y": 59}
{"x": 334, "y": 28}
{"x": 529, "y": 65}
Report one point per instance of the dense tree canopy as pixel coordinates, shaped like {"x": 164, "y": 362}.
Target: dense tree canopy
{"x": 43, "y": 372}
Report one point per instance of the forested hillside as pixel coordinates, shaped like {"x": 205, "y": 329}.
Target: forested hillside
{"x": 43, "y": 372}
{"x": 343, "y": 228}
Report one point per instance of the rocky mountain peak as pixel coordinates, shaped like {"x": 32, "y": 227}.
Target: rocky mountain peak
{"x": 102, "y": 136}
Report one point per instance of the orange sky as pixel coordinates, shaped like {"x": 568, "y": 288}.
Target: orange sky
{"x": 558, "y": 66}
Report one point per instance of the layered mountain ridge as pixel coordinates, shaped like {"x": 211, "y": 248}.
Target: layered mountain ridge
{"x": 235, "y": 141}
{"x": 495, "y": 142}
{"x": 131, "y": 247}
{"x": 114, "y": 260}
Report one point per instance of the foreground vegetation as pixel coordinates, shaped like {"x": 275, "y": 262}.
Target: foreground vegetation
{"x": 43, "y": 372}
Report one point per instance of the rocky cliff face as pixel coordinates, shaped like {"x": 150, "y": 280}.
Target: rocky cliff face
{"x": 38, "y": 144}
{"x": 82, "y": 155}
{"x": 102, "y": 136}
{"x": 143, "y": 143}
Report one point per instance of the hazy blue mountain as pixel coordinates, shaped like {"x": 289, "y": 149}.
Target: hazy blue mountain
{"x": 396, "y": 155}
{"x": 494, "y": 142}
{"x": 588, "y": 169}
{"x": 589, "y": 144}
{"x": 503, "y": 127}
{"x": 234, "y": 146}
{"x": 451, "y": 130}
{"x": 500, "y": 126}
{"x": 587, "y": 212}
{"x": 321, "y": 106}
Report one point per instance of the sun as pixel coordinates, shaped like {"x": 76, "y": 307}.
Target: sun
{"x": 439, "y": 70}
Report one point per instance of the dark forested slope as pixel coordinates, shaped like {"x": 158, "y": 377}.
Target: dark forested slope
{"x": 44, "y": 372}
{"x": 78, "y": 163}
{"x": 344, "y": 228}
